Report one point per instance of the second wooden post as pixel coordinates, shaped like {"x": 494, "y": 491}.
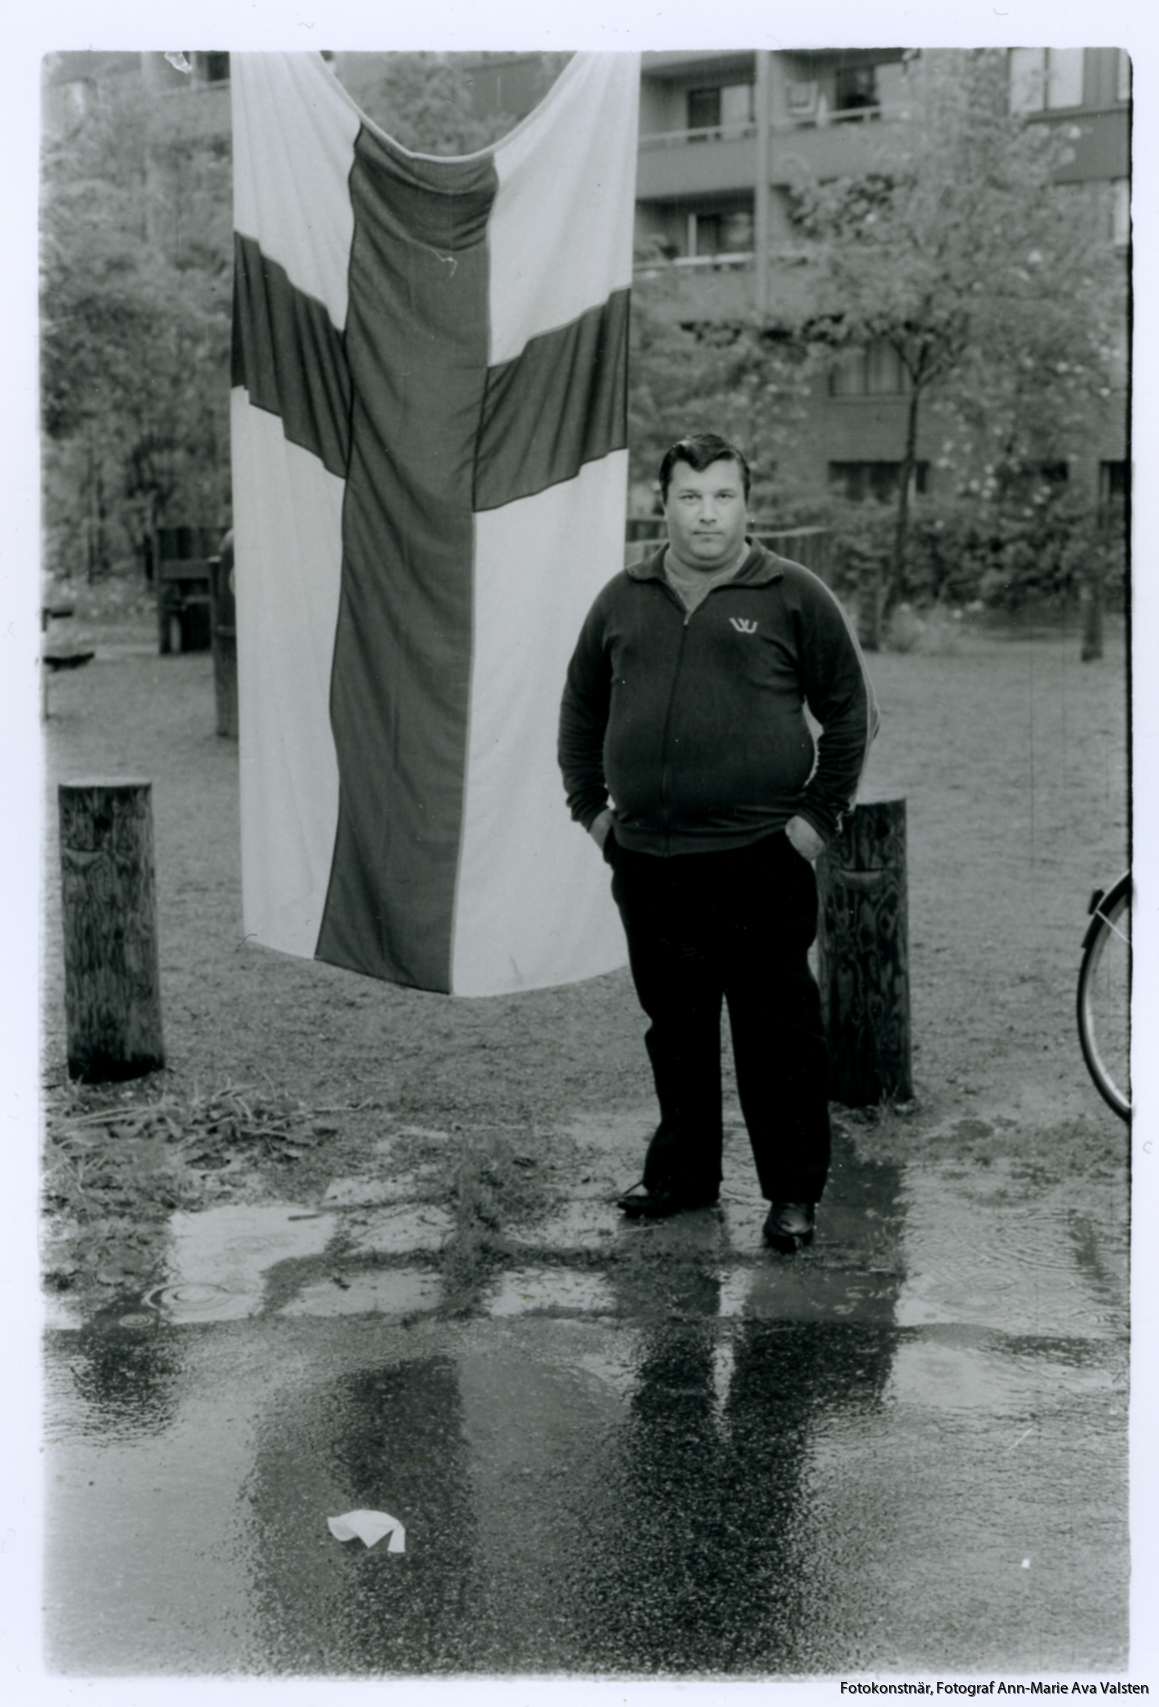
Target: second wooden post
{"x": 863, "y": 957}
{"x": 112, "y": 979}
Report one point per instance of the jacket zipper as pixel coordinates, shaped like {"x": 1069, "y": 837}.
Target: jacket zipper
{"x": 664, "y": 765}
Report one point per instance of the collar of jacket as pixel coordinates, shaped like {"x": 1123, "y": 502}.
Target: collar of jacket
{"x": 758, "y": 568}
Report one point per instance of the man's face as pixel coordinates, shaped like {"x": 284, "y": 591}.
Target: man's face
{"x": 706, "y": 513}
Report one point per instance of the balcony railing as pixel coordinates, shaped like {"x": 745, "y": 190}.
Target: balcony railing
{"x": 738, "y": 131}
{"x": 728, "y": 261}
{"x": 707, "y": 133}
{"x": 715, "y": 263}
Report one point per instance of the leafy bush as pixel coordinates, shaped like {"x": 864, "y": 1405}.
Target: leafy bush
{"x": 961, "y": 551}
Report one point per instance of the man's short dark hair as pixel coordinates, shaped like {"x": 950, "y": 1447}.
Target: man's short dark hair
{"x": 699, "y": 451}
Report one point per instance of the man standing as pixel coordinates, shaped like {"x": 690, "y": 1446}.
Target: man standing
{"x": 684, "y": 703}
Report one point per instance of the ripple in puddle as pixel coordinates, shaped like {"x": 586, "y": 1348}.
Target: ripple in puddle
{"x": 1016, "y": 1267}
{"x": 220, "y": 1257}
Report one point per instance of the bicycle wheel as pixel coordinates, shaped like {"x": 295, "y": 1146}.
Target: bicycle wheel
{"x": 1104, "y": 995}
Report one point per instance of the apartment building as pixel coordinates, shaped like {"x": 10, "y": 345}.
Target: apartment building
{"x": 723, "y": 138}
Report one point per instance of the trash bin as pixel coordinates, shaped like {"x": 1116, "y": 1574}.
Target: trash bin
{"x": 182, "y": 571}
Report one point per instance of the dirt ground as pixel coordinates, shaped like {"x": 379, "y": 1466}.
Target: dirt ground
{"x": 282, "y": 1073}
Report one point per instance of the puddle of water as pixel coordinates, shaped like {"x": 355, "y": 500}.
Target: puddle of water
{"x": 959, "y": 1378}
{"x": 220, "y": 1257}
{"x": 744, "y": 1219}
{"x": 617, "y": 1362}
{"x": 1009, "y": 1266}
{"x": 384, "y": 1291}
{"x": 802, "y": 1291}
{"x": 524, "y": 1289}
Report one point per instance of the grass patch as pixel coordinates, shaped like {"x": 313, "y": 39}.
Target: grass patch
{"x": 116, "y": 1167}
{"x": 493, "y": 1184}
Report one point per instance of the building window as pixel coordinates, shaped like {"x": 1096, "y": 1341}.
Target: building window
{"x": 859, "y": 480}
{"x": 1027, "y": 481}
{"x": 1045, "y": 78}
{"x": 801, "y": 99}
{"x": 704, "y": 234}
{"x": 856, "y": 89}
{"x": 737, "y": 233}
{"x": 1112, "y": 482}
{"x": 724, "y": 111}
{"x": 875, "y": 371}
{"x": 1120, "y": 212}
{"x": 211, "y": 67}
{"x": 703, "y": 109}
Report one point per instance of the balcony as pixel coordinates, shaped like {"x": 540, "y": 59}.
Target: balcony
{"x": 723, "y": 287}
{"x": 682, "y": 164}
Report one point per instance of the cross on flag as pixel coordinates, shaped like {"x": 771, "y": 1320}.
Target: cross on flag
{"x": 430, "y": 469}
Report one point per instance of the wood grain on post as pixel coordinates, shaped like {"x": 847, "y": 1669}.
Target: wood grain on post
{"x": 863, "y": 957}
{"x": 112, "y": 979}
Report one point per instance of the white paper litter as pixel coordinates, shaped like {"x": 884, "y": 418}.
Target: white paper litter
{"x": 369, "y": 1527}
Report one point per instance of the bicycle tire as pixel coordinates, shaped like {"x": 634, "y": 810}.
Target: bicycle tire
{"x": 1104, "y": 996}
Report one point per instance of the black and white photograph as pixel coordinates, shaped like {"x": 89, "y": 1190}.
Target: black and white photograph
{"x": 578, "y": 733}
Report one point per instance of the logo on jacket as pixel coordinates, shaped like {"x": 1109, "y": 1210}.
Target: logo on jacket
{"x": 743, "y": 624}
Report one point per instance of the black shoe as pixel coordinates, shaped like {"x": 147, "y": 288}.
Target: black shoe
{"x": 660, "y": 1201}
{"x": 788, "y": 1226}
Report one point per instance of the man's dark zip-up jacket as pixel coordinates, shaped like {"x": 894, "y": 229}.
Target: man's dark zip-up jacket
{"x": 694, "y": 722}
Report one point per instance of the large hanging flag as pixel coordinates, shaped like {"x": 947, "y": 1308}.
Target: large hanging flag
{"x": 429, "y": 474}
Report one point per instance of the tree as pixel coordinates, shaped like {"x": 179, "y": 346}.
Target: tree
{"x": 993, "y": 285}
{"x": 425, "y": 100}
{"x": 736, "y": 378}
{"x": 135, "y": 292}
{"x": 136, "y": 284}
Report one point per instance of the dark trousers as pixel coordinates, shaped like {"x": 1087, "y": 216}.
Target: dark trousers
{"x": 730, "y": 927}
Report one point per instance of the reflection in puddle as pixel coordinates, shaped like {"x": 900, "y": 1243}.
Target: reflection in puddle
{"x": 807, "y": 1292}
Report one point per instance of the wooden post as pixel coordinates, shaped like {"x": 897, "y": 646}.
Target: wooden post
{"x": 863, "y": 957}
{"x": 224, "y": 617}
{"x": 112, "y": 979}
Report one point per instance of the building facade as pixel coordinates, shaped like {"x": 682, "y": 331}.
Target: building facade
{"x": 724, "y": 137}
